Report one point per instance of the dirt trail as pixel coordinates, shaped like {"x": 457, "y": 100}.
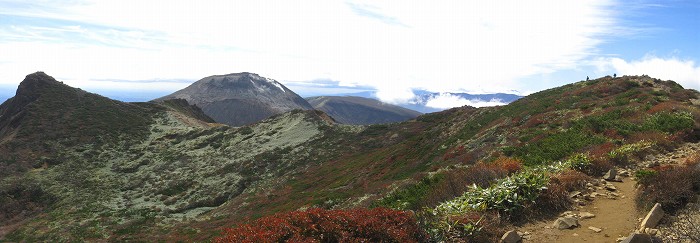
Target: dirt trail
{"x": 616, "y": 216}
{"x": 615, "y": 211}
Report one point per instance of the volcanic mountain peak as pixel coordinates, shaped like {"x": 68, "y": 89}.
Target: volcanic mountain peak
{"x": 240, "y": 98}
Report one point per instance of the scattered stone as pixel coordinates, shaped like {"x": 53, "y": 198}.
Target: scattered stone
{"x": 651, "y": 231}
{"x": 565, "y": 223}
{"x": 574, "y": 194}
{"x": 618, "y": 179}
{"x": 625, "y": 173}
{"x": 653, "y": 164}
{"x": 637, "y": 238}
{"x": 511, "y": 237}
{"x": 653, "y": 217}
{"x": 566, "y": 214}
{"x": 594, "y": 194}
{"x": 610, "y": 175}
{"x": 594, "y": 229}
{"x": 574, "y": 234}
{"x": 610, "y": 187}
{"x": 586, "y": 215}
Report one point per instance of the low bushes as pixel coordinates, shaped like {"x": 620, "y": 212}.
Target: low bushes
{"x": 672, "y": 187}
{"x": 319, "y": 225}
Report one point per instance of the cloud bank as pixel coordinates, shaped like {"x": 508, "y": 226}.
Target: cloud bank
{"x": 685, "y": 72}
{"x": 446, "y": 101}
{"x": 395, "y": 48}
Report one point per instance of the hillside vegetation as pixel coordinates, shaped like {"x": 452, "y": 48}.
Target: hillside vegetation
{"x": 166, "y": 175}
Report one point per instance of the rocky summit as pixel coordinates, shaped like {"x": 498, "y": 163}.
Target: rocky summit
{"x": 240, "y": 98}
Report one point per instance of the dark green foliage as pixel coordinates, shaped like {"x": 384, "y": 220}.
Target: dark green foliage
{"x": 554, "y": 147}
{"x": 669, "y": 122}
{"x": 409, "y": 197}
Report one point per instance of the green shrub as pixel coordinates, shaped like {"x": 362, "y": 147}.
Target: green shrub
{"x": 622, "y": 154}
{"x": 580, "y": 162}
{"x": 670, "y": 122}
{"x": 644, "y": 176}
{"x": 509, "y": 195}
{"x": 409, "y": 197}
{"x": 553, "y": 147}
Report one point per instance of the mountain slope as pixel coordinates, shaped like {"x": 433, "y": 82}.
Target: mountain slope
{"x": 240, "y": 98}
{"x": 184, "y": 180}
{"x": 360, "y": 111}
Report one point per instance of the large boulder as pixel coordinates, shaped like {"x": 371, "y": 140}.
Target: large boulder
{"x": 565, "y": 223}
{"x": 653, "y": 217}
{"x": 511, "y": 237}
{"x": 637, "y": 238}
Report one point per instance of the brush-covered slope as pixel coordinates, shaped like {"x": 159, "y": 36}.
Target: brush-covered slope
{"x": 240, "y": 98}
{"x": 361, "y": 111}
{"x": 389, "y": 165}
{"x": 186, "y": 180}
{"x": 78, "y": 166}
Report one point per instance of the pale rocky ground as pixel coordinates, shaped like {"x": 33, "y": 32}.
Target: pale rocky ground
{"x": 607, "y": 210}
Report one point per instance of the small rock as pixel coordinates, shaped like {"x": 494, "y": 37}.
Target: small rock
{"x": 594, "y": 229}
{"x": 594, "y": 194}
{"x": 618, "y": 179}
{"x": 653, "y": 164}
{"x": 586, "y": 215}
{"x": 566, "y": 213}
{"x": 625, "y": 173}
{"x": 574, "y": 234}
{"x": 651, "y": 231}
{"x": 637, "y": 238}
{"x": 653, "y": 217}
{"x": 565, "y": 223}
{"x": 574, "y": 194}
{"x": 610, "y": 188}
{"x": 511, "y": 237}
{"x": 610, "y": 175}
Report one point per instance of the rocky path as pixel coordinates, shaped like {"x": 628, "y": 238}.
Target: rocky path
{"x": 607, "y": 211}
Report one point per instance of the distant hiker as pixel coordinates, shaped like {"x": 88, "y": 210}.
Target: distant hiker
{"x": 587, "y": 78}
{"x": 614, "y": 75}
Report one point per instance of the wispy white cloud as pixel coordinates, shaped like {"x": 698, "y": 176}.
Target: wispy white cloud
{"x": 685, "y": 72}
{"x": 436, "y": 46}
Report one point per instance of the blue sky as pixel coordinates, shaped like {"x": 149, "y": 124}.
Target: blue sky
{"x": 140, "y": 49}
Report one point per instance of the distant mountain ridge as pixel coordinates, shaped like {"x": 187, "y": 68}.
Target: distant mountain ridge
{"x": 240, "y": 98}
{"x": 361, "y": 111}
{"x": 420, "y": 101}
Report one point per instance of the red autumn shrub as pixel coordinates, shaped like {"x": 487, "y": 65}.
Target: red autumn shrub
{"x": 320, "y": 225}
{"x": 509, "y": 164}
{"x": 458, "y": 181}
